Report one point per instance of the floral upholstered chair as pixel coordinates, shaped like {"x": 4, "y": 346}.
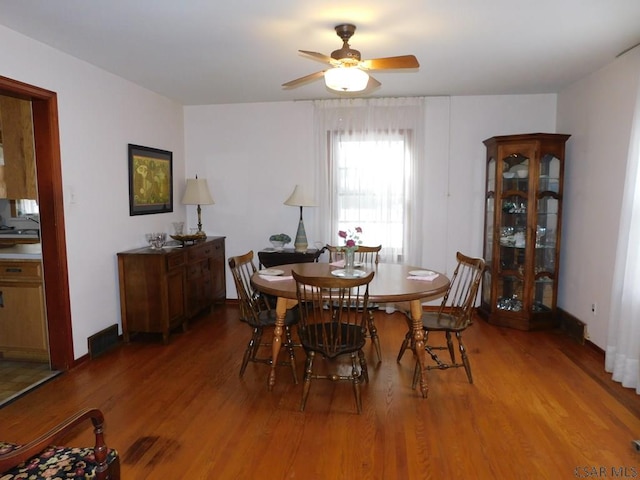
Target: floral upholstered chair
{"x": 40, "y": 459}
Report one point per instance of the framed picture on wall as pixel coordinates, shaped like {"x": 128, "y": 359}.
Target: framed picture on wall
{"x": 150, "y": 180}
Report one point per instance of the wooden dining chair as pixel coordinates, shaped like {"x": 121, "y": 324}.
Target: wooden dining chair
{"x": 258, "y": 314}
{"x": 364, "y": 254}
{"x": 369, "y": 257}
{"x": 333, "y": 322}
{"x": 452, "y": 317}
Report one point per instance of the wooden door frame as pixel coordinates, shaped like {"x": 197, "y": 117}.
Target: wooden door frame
{"x": 44, "y": 105}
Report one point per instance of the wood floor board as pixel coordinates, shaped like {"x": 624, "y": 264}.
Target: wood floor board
{"x": 539, "y": 407}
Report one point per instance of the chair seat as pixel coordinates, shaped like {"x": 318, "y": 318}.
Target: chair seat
{"x": 56, "y": 463}
{"x": 311, "y": 339}
{"x": 443, "y": 321}
{"x": 267, "y": 318}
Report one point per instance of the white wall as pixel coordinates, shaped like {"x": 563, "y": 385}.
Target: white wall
{"x": 598, "y": 112}
{"x": 99, "y": 115}
{"x": 474, "y": 119}
{"x": 253, "y": 155}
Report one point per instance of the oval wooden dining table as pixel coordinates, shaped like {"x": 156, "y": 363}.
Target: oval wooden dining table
{"x": 391, "y": 284}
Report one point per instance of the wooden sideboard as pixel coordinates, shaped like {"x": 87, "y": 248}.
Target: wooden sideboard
{"x": 162, "y": 289}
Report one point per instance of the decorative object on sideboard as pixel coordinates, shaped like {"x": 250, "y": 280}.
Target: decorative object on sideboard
{"x": 180, "y": 236}
{"x": 188, "y": 239}
{"x": 299, "y": 198}
{"x": 279, "y": 240}
{"x": 197, "y": 193}
{"x": 178, "y": 228}
{"x": 156, "y": 240}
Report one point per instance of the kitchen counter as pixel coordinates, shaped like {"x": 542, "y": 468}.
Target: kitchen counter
{"x": 22, "y": 251}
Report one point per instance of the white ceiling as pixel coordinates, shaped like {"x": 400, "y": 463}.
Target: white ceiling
{"x": 212, "y": 52}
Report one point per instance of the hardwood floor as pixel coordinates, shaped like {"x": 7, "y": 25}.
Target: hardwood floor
{"x": 540, "y": 407}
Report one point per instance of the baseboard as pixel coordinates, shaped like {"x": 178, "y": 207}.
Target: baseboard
{"x": 103, "y": 341}
{"x": 572, "y": 326}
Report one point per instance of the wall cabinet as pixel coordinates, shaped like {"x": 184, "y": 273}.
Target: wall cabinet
{"x": 23, "y": 326}
{"x": 162, "y": 289}
{"x": 18, "y": 170}
{"x": 523, "y": 219}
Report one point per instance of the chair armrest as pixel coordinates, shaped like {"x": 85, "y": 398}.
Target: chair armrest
{"x": 33, "y": 448}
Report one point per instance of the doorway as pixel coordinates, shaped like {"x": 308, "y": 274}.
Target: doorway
{"x": 52, "y": 228}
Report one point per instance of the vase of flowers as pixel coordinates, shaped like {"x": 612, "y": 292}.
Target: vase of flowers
{"x": 351, "y": 242}
{"x": 349, "y": 260}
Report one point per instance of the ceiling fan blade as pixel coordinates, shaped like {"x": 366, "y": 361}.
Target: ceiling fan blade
{"x": 305, "y": 79}
{"x": 318, "y": 56}
{"x": 403, "y": 61}
{"x": 373, "y": 83}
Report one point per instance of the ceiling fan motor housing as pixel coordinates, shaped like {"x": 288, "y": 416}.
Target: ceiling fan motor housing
{"x": 345, "y": 32}
{"x": 347, "y": 72}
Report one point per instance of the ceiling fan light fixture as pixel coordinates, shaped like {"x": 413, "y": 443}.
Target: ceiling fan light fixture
{"x": 346, "y": 79}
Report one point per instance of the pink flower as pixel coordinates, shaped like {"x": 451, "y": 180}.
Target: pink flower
{"x": 351, "y": 237}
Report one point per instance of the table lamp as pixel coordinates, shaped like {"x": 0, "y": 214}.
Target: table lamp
{"x": 298, "y": 198}
{"x": 197, "y": 193}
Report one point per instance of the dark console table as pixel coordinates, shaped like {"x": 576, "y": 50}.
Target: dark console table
{"x": 271, "y": 257}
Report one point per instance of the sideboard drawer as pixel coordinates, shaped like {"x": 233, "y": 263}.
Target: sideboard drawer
{"x": 175, "y": 260}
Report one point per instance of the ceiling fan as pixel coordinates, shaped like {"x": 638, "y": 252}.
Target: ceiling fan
{"x": 348, "y": 70}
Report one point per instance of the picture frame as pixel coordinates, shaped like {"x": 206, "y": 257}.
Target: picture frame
{"x": 150, "y": 180}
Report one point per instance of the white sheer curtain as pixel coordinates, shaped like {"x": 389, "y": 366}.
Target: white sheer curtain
{"x": 623, "y": 343}
{"x": 382, "y": 129}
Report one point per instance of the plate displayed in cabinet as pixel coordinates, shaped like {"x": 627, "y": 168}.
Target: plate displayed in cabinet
{"x": 521, "y": 171}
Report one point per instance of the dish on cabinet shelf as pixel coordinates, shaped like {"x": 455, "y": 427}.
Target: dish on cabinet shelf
{"x": 516, "y": 169}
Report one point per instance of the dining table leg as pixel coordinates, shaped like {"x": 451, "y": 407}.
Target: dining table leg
{"x": 418, "y": 343}
{"x": 281, "y": 311}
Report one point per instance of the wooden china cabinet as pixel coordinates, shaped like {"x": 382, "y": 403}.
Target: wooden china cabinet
{"x": 523, "y": 218}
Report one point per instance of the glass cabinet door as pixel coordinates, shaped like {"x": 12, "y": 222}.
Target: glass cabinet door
{"x": 546, "y": 233}
{"x": 513, "y": 232}
{"x": 489, "y": 228}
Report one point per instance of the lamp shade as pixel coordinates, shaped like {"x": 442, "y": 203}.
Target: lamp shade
{"x": 197, "y": 192}
{"x": 299, "y": 198}
{"x": 346, "y": 79}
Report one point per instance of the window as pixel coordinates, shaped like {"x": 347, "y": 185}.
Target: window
{"x": 26, "y": 207}
{"x": 370, "y": 178}
{"x": 369, "y": 173}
